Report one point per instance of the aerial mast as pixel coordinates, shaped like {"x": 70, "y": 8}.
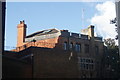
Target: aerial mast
{"x": 82, "y": 17}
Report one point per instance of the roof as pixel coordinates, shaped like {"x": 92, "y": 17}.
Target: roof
{"x": 43, "y": 32}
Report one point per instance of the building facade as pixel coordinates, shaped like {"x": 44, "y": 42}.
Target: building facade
{"x": 65, "y": 54}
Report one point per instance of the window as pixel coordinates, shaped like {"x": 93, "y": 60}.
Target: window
{"x": 65, "y": 45}
{"x": 86, "y": 66}
{"x": 46, "y": 31}
{"x": 86, "y": 63}
{"x": 86, "y": 48}
{"x": 91, "y": 61}
{"x": 81, "y": 60}
{"x": 71, "y": 45}
{"x": 91, "y": 66}
{"x": 82, "y": 66}
{"x": 87, "y": 60}
{"x": 77, "y": 47}
{"x": 96, "y": 50}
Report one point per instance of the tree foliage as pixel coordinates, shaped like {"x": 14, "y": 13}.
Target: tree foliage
{"x": 114, "y": 21}
{"x": 111, "y": 59}
{"x": 110, "y": 43}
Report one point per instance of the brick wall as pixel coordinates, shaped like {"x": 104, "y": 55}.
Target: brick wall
{"x": 12, "y": 68}
{"x": 51, "y": 63}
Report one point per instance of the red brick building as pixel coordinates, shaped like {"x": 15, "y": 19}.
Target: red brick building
{"x": 59, "y": 53}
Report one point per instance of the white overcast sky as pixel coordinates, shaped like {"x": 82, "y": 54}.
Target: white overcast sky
{"x": 101, "y": 19}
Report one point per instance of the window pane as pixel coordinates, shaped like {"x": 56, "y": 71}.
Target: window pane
{"x": 81, "y": 60}
{"x": 86, "y": 66}
{"x": 77, "y": 47}
{"x": 96, "y": 49}
{"x": 65, "y": 45}
{"x": 71, "y": 45}
{"x": 83, "y": 66}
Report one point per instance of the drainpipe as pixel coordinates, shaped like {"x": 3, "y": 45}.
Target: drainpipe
{"x": 32, "y": 66}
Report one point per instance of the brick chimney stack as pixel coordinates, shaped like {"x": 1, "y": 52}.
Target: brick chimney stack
{"x": 91, "y": 31}
{"x": 21, "y": 33}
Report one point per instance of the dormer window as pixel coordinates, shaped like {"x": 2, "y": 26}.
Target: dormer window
{"x": 46, "y": 31}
